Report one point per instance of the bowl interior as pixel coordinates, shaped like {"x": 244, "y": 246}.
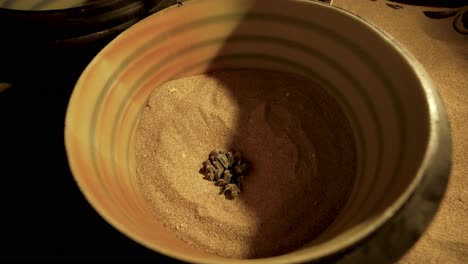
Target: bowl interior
{"x": 363, "y": 70}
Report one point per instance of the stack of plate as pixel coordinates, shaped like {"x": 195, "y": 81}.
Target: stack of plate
{"x": 61, "y": 36}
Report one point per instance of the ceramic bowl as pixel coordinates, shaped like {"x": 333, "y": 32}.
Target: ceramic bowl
{"x": 400, "y": 126}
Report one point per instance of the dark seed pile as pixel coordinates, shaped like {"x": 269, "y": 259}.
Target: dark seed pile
{"x": 298, "y": 145}
{"x": 227, "y": 170}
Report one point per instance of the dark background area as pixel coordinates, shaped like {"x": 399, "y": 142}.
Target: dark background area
{"x": 43, "y": 213}
{"x": 42, "y": 54}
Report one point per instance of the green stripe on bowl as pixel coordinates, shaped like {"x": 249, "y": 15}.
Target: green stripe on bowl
{"x": 40, "y": 4}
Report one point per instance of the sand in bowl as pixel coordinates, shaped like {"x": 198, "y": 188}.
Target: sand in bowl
{"x": 295, "y": 136}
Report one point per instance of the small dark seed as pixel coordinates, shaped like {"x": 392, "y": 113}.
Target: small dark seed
{"x": 210, "y": 168}
{"x": 227, "y": 176}
{"x": 231, "y": 191}
{"x": 219, "y": 173}
{"x": 217, "y": 165}
{"x": 223, "y": 160}
{"x": 230, "y": 158}
{"x": 220, "y": 183}
{"x": 213, "y": 153}
{"x": 237, "y": 170}
{"x": 210, "y": 176}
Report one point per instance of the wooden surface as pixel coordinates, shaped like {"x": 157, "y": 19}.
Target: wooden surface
{"x": 444, "y": 53}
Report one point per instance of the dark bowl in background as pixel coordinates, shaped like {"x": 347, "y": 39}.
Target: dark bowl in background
{"x": 37, "y": 43}
{"x": 42, "y": 54}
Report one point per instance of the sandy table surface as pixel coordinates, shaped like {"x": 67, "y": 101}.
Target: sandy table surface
{"x": 444, "y": 53}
